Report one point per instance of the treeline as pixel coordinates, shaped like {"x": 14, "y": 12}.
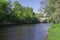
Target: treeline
{"x": 17, "y": 13}
{"x": 53, "y": 10}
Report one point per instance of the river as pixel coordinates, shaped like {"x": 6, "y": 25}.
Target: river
{"x": 25, "y": 32}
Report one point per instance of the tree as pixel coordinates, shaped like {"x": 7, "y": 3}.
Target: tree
{"x": 54, "y": 10}
{"x": 3, "y": 9}
{"x": 17, "y": 14}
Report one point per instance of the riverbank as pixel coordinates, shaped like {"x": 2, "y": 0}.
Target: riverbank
{"x": 54, "y": 32}
{"x": 15, "y": 24}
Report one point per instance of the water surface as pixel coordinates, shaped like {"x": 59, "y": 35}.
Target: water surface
{"x": 26, "y": 32}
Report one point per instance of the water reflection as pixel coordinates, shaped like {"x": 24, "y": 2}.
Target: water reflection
{"x": 26, "y": 32}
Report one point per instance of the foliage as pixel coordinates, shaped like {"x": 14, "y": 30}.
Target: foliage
{"x": 17, "y": 14}
{"x": 3, "y": 9}
{"x": 53, "y": 10}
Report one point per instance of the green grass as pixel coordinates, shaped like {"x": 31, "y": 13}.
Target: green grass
{"x": 54, "y": 32}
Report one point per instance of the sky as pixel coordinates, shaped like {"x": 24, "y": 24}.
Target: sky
{"x": 35, "y": 4}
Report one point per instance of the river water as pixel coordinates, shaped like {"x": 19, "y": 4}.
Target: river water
{"x": 25, "y": 32}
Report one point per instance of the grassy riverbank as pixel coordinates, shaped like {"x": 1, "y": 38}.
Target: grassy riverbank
{"x": 54, "y": 32}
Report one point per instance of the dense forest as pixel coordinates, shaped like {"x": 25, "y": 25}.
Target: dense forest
{"x": 16, "y": 13}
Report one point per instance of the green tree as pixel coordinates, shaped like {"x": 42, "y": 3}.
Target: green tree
{"x": 17, "y": 14}
{"x": 3, "y": 9}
